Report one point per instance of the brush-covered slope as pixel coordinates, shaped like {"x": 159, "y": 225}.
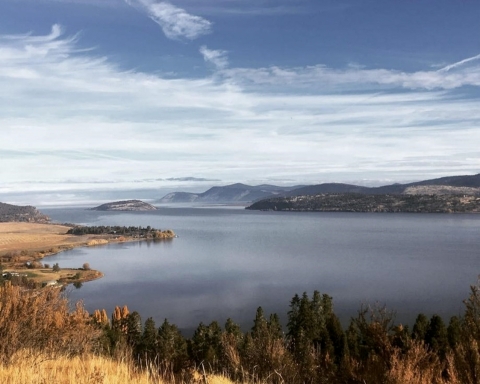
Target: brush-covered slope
{"x": 29, "y": 214}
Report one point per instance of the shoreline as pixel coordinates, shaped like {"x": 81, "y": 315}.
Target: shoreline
{"x": 24, "y": 245}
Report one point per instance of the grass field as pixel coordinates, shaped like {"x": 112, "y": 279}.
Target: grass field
{"x": 31, "y": 237}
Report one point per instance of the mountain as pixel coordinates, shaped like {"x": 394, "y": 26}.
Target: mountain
{"x": 233, "y": 193}
{"x": 9, "y": 212}
{"x": 242, "y": 193}
{"x": 452, "y": 185}
{"x": 125, "y": 205}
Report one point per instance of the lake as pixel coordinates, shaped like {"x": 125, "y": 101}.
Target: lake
{"x": 228, "y": 261}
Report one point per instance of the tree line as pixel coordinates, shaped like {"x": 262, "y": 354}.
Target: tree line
{"x": 131, "y": 231}
{"x": 358, "y": 202}
{"x": 313, "y": 348}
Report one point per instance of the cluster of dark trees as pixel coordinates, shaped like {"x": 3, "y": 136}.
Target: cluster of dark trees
{"x": 112, "y": 230}
{"x": 314, "y": 348}
{"x": 356, "y": 202}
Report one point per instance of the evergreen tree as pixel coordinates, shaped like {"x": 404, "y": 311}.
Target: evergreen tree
{"x": 206, "y": 344}
{"x": 259, "y": 329}
{"x": 274, "y": 327}
{"x": 133, "y": 325}
{"x": 171, "y": 347}
{"x": 232, "y": 328}
{"x": 148, "y": 341}
{"x": 337, "y": 337}
{"x": 420, "y": 327}
{"x": 436, "y": 336}
{"x": 454, "y": 331}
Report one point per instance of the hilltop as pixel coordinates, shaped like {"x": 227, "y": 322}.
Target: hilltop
{"x": 17, "y": 213}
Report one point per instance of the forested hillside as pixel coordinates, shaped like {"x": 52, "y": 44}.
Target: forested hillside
{"x": 355, "y": 202}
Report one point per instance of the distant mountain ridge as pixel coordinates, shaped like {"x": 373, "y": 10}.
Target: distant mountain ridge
{"x": 17, "y": 213}
{"x": 470, "y": 181}
{"x": 233, "y": 193}
{"x": 242, "y": 193}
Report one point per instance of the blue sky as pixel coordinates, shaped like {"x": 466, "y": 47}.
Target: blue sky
{"x": 104, "y": 94}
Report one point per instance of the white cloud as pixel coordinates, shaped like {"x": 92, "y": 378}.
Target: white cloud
{"x": 358, "y": 77}
{"x": 217, "y": 57}
{"x": 66, "y": 114}
{"x": 175, "y": 22}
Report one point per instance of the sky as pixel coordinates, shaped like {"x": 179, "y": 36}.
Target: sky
{"x": 104, "y": 95}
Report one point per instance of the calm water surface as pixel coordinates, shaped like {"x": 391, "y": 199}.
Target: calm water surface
{"x": 228, "y": 261}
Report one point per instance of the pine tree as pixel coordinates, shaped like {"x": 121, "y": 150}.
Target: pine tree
{"x": 420, "y": 327}
{"x": 171, "y": 347}
{"x": 454, "y": 331}
{"x": 148, "y": 342}
{"x": 133, "y": 332}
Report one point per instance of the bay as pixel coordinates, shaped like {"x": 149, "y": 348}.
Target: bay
{"x": 228, "y": 261}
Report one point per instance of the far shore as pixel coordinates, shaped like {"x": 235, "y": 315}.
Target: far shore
{"x": 23, "y": 244}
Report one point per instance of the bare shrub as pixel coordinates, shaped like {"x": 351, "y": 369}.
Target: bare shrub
{"x": 41, "y": 320}
{"x": 418, "y": 365}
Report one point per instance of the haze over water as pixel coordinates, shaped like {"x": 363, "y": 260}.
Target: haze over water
{"x": 228, "y": 261}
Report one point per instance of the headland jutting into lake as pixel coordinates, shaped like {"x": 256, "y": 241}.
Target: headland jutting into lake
{"x": 27, "y": 236}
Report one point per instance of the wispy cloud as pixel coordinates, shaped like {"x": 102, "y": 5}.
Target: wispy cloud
{"x": 248, "y": 8}
{"x": 218, "y": 58}
{"x": 175, "y": 22}
{"x": 68, "y": 114}
{"x": 459, "y": 63}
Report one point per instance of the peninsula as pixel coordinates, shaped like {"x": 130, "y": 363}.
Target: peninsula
{"x": 27, "y": 236}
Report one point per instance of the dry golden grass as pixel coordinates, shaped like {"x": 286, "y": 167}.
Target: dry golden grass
{"x": 97, "y": 242}
{"x": 78, "y": 370}
{"x": 89, "y": 369}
